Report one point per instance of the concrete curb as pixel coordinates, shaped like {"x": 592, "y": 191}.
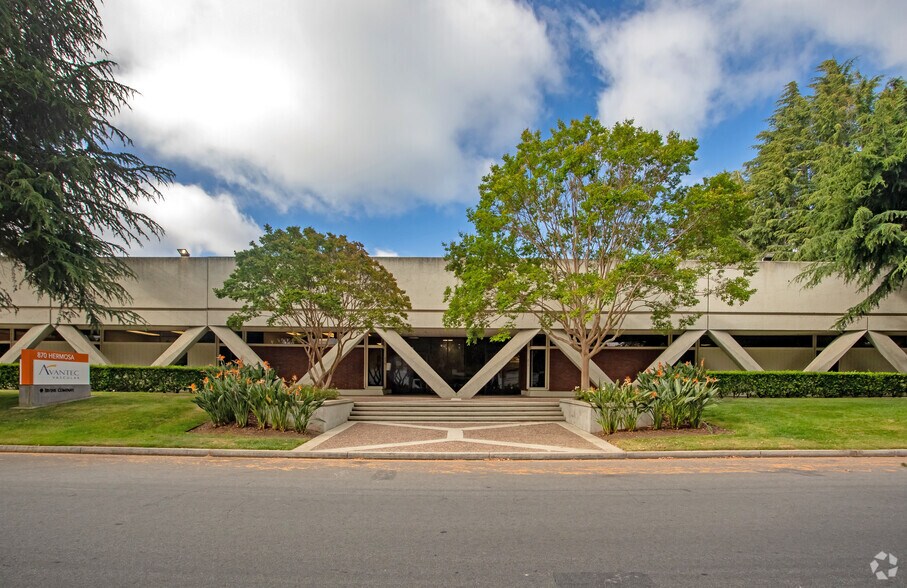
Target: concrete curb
{"x": 401, "y": 455}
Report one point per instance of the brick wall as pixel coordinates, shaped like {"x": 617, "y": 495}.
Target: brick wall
{"x": 292, "y": 361}
{"x": 617, "y": 363}
{"x": 563, "y": 376}
{"x": 350, "y": 373}
{"x": 622, "y": 363}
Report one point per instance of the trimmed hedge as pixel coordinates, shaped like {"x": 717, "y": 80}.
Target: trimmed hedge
{"x": 123, "y": 378}
{"x": 134, "y": 378}
{"x": 810, "y": 384}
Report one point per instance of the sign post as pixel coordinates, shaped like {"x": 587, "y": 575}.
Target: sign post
{"x": 52, "y": 377}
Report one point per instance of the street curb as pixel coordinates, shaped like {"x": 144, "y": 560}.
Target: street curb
{"x": 273, "y": 453}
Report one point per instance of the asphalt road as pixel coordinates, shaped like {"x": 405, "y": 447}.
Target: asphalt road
{"x": 152, "y": 521}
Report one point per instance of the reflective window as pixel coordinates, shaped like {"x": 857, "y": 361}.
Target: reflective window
{"x": 537, "y": 368}
{"x": 375, "y": 373}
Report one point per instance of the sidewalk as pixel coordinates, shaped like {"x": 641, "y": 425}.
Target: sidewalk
{"x": 484, "y": 438}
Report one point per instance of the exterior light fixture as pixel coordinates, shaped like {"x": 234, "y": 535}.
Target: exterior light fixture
{"x": 183, "y": 252}
{"x": 146, "y": 333}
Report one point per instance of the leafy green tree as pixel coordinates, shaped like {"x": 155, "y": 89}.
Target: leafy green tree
{"x": 829, "y": 183}
{"x": 320, "y": 287}
{"x": 591, "y": 224}
{"x": 66, "y": 185}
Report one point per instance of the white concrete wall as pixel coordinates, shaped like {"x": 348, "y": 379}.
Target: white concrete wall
{"x": 782, "y": 358}
{"x": 863, "y": 359}
{"x": 178, "y": 292}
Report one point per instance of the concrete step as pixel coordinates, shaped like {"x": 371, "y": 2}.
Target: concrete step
{"x": 457, "y": 411}
{"x": 463, "y": 415}
{"x": 455, "y": 419}
{"x": 455, "y": 404}
{"x": 456, "y": 408}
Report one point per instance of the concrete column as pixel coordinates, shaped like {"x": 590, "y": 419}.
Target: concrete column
{"x": 30, "y": 340}
{"x": 677, "y": 348}
{"x": 419, "y": 365}
{"x": 236, "y": 345}
{"x": 350, "y": 340}
{"x": 182, "y": 344}
{"x": 494, "y": 365}
{"x": 80, "y": 343}
{"x": 730, "y": 346}
{"x": 596, "y": 374}
{"x": 889, "y": 350}
{"x": 834, "y": 352}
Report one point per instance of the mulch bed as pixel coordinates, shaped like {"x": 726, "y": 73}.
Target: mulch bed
{"x": 704, "y": 429}
{"x": 252, "y": 431}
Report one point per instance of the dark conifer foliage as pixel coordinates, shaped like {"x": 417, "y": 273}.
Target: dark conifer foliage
{"x": 830, "y": 182}
{"x": 67, "y": 176}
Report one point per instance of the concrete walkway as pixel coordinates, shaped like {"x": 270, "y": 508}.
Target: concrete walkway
{"x": 443, "y": 438}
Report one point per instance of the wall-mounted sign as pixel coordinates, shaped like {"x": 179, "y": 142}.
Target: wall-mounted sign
{"x": 49, "y": 377}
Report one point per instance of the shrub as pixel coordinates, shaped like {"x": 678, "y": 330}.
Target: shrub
{"x": 679, "y": 393}
{"x": 124, "y": 378}
{"x": 790, "y": 384}
{"x": 232, "y": 391}
{"x": 618, "y": 405}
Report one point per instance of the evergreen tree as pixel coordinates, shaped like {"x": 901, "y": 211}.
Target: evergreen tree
{"x": 779, "y": 177}
{"x": 67, "y": 179}
{"x": 829, "y": 181}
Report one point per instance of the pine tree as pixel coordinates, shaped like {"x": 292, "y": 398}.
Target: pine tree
{"x": 779, "y": 177}
{"x": 829, "y": 182}
{"x": 67, "y": 176}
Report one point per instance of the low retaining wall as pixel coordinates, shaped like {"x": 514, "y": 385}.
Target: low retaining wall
{"x": 330, "y": 415}
{"x": 581, "y": 415}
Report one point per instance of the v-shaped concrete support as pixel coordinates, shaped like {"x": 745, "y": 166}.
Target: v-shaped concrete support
{"x": 889, "y": 350}
{"x": 835, "y": 351}
{"x": 350, "y": 340}
{"x": 182, "y": 344}
{"x": 676, "y": 349}
{"x": 730, "y": 346}
{"x": 419, "y": 365}
{"x": 80, "y": 343}
{"x": 496, "y": 363}
{"x": 596, "y": 374}
{"x": 236, "y": 345}
{"x": 29, "y": 340}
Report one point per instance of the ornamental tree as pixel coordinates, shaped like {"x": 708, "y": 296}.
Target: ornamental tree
{"x": 583, "y": 228}
{"x": 830, "y": 179}
{"x": 66, "y": 182}
{"x": 320, "y": 287}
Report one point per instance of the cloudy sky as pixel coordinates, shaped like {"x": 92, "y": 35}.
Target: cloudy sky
{"x": 377, "y": 118}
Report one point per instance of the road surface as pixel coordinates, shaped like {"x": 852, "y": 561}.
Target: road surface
{"x": 158, "y": 521}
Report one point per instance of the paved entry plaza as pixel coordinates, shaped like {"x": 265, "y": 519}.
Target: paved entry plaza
{"x": 447, "y": 437}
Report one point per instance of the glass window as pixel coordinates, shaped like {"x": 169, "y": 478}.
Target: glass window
{"x": 375, "y": 374}
{"x": 537, "y": 367}
{"x": 775, "y": 340}
{"x": 539, "y": 340}
{"x": 255, "y": 337}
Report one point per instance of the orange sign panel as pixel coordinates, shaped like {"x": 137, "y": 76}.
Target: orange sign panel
{"x": 39, "y": 367}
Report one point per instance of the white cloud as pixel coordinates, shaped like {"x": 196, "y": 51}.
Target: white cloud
{"x": 204, "y": 224}
{"x": 378, "y": 252}
{"x": 346, "y": 105}
{"x": 685, "y": 65}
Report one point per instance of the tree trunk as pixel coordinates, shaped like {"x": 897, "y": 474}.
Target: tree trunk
{"x": 584, "y": 382}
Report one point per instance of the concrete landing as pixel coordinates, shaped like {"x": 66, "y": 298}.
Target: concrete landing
{"x": 467, "y": 437}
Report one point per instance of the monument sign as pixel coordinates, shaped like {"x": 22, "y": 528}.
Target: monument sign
{"x": 51, "y": 377}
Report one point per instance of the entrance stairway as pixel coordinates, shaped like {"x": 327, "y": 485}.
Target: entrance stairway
{"x": 459, "y": 411}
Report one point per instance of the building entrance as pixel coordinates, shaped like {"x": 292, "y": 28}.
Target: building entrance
{"x": 456, "y": 362}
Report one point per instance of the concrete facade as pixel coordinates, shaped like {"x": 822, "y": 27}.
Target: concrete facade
{"x": 782, "y": 327}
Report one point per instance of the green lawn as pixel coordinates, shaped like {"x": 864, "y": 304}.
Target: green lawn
{"x": 133, "y": 419}
{"x": 794, "y": 423}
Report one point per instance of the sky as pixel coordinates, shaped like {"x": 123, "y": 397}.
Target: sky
{"x": 378, "y": 118}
